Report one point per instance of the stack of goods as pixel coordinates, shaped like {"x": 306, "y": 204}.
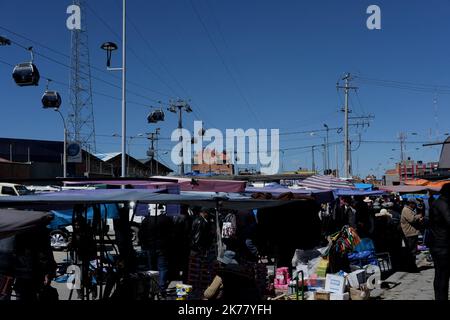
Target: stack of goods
{"x": 363, "y": 254}
{"x": 282, "y": 279}
{"x": 345, "y": 240}
{"x": 183, "y": 291}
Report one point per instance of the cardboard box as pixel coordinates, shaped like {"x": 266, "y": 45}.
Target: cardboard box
{"x": 356, "y": 278}
{"x": 340, "y": 296}
{"x": 363, "y": 294}
{"x": 334, "y": 283}
{"x": 321, "y": 295}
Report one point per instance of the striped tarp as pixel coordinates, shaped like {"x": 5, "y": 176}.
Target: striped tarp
{"x": 326, "y": 182}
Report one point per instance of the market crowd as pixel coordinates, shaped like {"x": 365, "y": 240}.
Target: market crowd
{"x": 224, "y": 255}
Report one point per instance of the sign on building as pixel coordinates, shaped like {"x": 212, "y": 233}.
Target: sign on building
{"x": 74, "y": 154}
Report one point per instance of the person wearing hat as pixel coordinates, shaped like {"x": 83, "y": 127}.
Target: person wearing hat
{"x": 439, "y": 242}
{"x": 232, "y": 282}
{"x": 409, "y": 222}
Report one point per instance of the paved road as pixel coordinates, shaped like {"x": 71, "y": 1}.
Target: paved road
{"x": 412, "y": 286}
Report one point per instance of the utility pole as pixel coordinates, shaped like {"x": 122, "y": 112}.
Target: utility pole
{"x": 180, "y": 106}
{"x": 324, "y": 156}
{"x": 313, "y": 162}
{"x": 327, "y": 153}
{"x": 402, "y": 138}
{"x": 151, "y": 152}
{"x": 337, "y": 160}
{"x": 347, "y": 78}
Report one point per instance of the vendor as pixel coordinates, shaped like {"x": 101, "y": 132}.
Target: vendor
{"x": 232, "y": 282}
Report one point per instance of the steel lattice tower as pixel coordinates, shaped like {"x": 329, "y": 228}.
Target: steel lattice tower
{"x": 81, "y": 115}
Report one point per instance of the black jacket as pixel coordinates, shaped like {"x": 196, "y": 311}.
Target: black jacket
{"x": 201, "y": 234}
{"x": 155, "y": 233}
{"x": 440, "y": 224}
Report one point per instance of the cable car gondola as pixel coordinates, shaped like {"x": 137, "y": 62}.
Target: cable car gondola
{"x": 155, "y": 116}
{"x": 26, "y": 74}
{"x": 51, "y": 99}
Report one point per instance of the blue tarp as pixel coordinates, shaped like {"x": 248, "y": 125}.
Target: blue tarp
{"x": 364, "y": 186}
{"x": 64, "y": 217}
{"x": 348, "y": 192}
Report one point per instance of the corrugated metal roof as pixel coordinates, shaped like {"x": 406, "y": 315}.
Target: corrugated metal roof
{"x": 107, "y": 156}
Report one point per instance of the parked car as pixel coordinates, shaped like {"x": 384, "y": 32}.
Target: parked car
{"x": 13, "y": 189}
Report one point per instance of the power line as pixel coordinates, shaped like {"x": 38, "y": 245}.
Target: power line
{"x": 411, "y": 86}
{"x": 93, "y": 67}
{"x": 247, "y": 104}
{"x": 68, "y": 86}
{"x": 85, "y": 73}
{"x": 163, "y": 65}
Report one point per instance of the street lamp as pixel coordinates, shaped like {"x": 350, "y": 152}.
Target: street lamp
{"x": 52, "y": 100}
{"x": 180, "y": 106}
{"x": 65, "y": 143}
{"x": 4, "y": 41}
{"x": 109, "y": 47}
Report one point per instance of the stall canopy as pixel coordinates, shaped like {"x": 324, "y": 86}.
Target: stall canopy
{"x": 15, "y": 221}
{"x": 319, "y": 195}
{"x": 349, "y": 192}
{"x": 101, "y": 196}
{"x": 137, "y": 184}
{"x": 186, "y": 184}
{"x": 409, "y": 189}
{"x": 214, "y": 185}
{"x": 364, "y": 186}
{"x": 326, "y": 182}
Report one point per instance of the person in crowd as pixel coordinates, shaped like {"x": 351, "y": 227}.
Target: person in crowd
{"x": 364, "y": 218}
{"x": 388, "y": 235}
{"x": 410, "y": 222}
{"x": 155, "y": 237}
{"x": 439, "y": 242}
{"x": 202, "y": 255}
{"x": 233, "y": 282}
{"x": 247, "y": 235}
{"x": 28, "y": 257}
{"x": 180, "y": 246}
{"x": 349, "y": 209}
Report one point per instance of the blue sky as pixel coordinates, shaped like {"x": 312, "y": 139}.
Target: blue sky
{"x": 275, "y": 66}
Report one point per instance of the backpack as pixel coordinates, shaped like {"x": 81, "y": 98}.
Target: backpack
{"x": 229, "y": 226}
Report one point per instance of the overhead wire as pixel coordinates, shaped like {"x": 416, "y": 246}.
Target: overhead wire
{"x": 103, "y": 71}
{"x": 64, "y": 84}
{"x": 222, "y": 59}
{"x": 166, "y": 69}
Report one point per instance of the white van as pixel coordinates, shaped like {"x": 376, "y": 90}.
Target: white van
{"x": 13, "y": 189}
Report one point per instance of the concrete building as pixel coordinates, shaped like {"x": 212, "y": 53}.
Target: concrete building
{"x": 407, "y": 170}
{"x": 135, "y": 167}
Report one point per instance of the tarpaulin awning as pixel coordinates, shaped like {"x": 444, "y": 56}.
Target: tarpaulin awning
{"x": 326, "y": 182}
{"x": 139, "y": 184}
{"x": 364, "y": 186}
{"x": 409, "y": 189}
{"x": 416, "y": 182}
{"x": 100, "y": 196}
{"x": 64, "y": 217}
{"x": 348, "y": 192}
{"x": 15, "y": 221}
{"x": 319, "y": 195}
{"x": 192, "y": 184}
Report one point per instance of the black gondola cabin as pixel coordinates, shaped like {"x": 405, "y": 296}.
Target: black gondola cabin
{"x": 26, "y": 74}
{"x": 51, "y": 99}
